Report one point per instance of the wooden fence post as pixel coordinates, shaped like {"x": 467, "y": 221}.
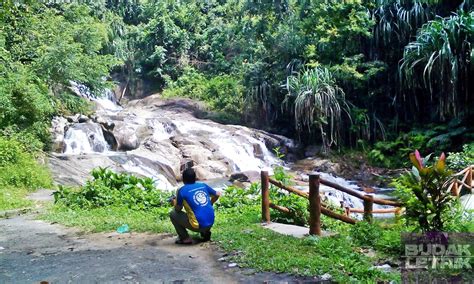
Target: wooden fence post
{"x": 265, "y": 197}
{"x": 314, "y": 206}
{"x": 455, "y": 188}
{"x": 469, "y": 180}
{"x": 368, "y": 207}
{"x": 347, "y": 211}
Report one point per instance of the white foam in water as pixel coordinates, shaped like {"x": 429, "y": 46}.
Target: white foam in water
{"x": 76, "y": 142}
{"x": 237, "y": 146}
{"x": 106, "y": 100}
{"x": 160, "y": 181}
{"x": 79, "y": 141}
{"x": 159, "y": 130}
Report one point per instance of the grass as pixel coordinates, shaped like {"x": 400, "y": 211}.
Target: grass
{"x": 13, "y": 198}
{"x": 238, "y": 229}
{"x": 108, "y": 219}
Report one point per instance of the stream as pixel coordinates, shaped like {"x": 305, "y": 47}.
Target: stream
{"x": 157, "y": 138}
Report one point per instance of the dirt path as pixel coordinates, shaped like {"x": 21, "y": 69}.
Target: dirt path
{"x": 32, "y": 251}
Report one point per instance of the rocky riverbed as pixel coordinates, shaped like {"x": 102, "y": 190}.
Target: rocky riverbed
{"x": 158, "y": 138}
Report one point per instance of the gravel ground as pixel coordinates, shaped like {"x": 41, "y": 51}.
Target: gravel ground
{"x": 32, "y": 251}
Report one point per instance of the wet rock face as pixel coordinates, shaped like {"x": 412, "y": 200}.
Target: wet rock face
{"x": 248, "y": 176}
{"x": 85, "y": 137}
{"x": 165, "y": 137}
{"x": 59, "y": 126}
{"x": 126, "y": 137}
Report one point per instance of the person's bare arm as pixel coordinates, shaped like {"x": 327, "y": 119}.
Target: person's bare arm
{"x": 215, "y": 197}
{"x": 174, "y": 202}
{"x": 177, "y": 207}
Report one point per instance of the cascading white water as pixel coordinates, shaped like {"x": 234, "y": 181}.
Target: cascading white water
{"x": 160, "y": 180}
{"x": 85, "y": 138}
{"x": 237, "y": 146}
{"x": 172, "y": 135}
{"x": 105, "y": 101}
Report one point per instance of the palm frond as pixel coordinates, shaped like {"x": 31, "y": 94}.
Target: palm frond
{"x": 439, "y": 60}
{"x": 316, "y": 100}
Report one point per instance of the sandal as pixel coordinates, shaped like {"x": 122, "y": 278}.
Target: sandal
{"x": 181, "y": 242}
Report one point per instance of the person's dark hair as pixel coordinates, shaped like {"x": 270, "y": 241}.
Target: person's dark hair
{"x": 189, "y": 176}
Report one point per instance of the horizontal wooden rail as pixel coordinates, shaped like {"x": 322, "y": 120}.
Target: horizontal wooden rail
{"x": 289, "y": 188}
{"x": 378, "y": 211}
{"x": 316, "y": 207}
{"x": 337, "y": 216}
{"x": 359, "y": 195}
{"x": 466, "y": 181}
{"x": 280, "y": 208}
{"x": 324, "y": 211}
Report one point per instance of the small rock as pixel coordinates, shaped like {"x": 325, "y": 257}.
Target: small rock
{"x": 128, "y": 277}
{"x": 192, "y": 256}
{"x": 384, "y": 267}
{"x": 368, "y": 189}
{"x": 82, "y": 118}
{"x": 2, "y": 248}
{"x": 247, "y": 231}
{"x": 222, "y": 259}
{"x": 326, "y": 277}
{"x": 233, "y": 264}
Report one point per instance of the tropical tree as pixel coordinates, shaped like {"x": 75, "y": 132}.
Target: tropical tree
{"x": 317, "y": 102}
{"x": 439, "y": 60}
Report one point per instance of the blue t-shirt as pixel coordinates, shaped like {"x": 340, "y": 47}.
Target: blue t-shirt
{"x": 196, "y": 200}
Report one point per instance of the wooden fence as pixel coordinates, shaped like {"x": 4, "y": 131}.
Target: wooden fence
{"x": 463, "y": 179}
{"x": 316, "y": 207}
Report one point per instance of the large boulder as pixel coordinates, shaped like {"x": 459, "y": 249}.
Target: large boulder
{"x": 106, "y": 123}
{"x": 196, "y": 153}
{"x": 205, "y": 173}
{"x": 126, "y": 137}
{"x": 247, "y": 176}
{"x": 162, "y": 151}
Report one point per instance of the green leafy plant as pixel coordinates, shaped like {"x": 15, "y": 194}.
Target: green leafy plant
{"x": 236, "y": 197}
{"x": 72, "y": 104}
{"x": 20, "y": 168}
{"x": 460, "y": 160}
{"x": 365, "y": 234}
{"x": 440, "y": 61}
{"x": 317, "y": 103}
{"x": 113, "y": 189}
{"x": 424, "y": 191}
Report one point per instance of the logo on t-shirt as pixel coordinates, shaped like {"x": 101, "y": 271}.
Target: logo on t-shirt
{"x": 200, "y": 198}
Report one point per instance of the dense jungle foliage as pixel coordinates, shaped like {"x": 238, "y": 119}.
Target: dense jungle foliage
{"x": 335, "y": 73}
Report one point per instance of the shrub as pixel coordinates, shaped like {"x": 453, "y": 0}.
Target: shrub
{"x": 108, "y": 188}
{"x": 236, "y": 197}
{"x": 72, "y": 104}
{"x": 223, "y": 93}
{"x": 19, "y": 168}
{"x": 424, "y": 191}
{"x": 460, "y": 160}
{"x": 365, "y": 234}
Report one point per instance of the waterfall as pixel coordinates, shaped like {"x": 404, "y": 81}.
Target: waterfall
{"x": 246, "y": 152}
{"x": 105, "y": 101}
{"x": 83, "y": 138}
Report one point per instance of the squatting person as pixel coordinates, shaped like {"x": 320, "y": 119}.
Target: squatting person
{"x": 197, "y": 199}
